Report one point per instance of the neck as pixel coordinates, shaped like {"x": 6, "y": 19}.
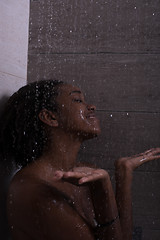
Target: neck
{"x": 62, "y": 150}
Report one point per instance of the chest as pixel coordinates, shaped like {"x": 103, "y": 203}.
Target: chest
{"x": 79, "y": 197}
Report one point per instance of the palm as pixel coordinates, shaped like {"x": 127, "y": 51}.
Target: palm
{"x": 135, "y": 161}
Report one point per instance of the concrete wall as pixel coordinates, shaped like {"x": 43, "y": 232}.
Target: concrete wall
{"x": 14, "y": 21}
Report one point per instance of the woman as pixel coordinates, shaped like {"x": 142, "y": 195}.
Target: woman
{"x": 52, "y": 196}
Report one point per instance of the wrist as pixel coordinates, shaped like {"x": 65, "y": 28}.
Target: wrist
{"x": 103, "y": 182}
{"x": 108, "y": 223}
{"x": 123, "y": 169}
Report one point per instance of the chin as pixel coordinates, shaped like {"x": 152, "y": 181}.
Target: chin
{"x": 90, "y": 134}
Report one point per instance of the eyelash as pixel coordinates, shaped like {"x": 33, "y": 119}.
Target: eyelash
{"x": 77, "y": 100}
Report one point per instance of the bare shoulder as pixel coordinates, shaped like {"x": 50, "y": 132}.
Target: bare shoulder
{"x": 24, "y": 191}
{"x": 26, "y": 187}
{"x": 29, "y": 200}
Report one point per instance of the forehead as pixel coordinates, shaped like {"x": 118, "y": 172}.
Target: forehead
{"x": 67, "y": 90}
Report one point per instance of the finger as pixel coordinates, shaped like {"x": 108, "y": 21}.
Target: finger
{"x": 87, "y": 170}
{"x": 149, "y": 158}
{"x": 136, "y": 156}
{"x": 90, "y": 178}
{"x": 152, "y": 152}
{"x": 149, "y": 152}
{"x": 74, "y": 175}
{"x": 58, "y": 174}
{"x": 155, "y": 151}
{"x": 144, "y": 153}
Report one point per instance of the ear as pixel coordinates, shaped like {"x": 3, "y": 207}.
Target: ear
{"x": 48, "y": 118}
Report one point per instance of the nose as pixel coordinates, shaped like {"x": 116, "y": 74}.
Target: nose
{"x": 91, "y": 107}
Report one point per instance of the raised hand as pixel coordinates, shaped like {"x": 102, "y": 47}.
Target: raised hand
{"x": 124, "y": 169}
{"x": 103, "y": 198}
{"x": 83, "y": 174}
{"x": 135, "y": 161}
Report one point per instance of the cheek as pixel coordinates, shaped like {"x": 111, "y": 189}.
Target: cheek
{"x": 63, "y": 118}
{"x": 76, "y": 119}
{"x": 71, "y": 118}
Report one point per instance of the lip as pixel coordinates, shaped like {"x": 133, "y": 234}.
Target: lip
{"x": 91, "y": 115}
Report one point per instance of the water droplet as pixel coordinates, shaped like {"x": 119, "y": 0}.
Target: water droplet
{"x": 111, "y": 115}
{"x": 81, "y": 114}
{"x": 153, "y": 14}
{"x": 135, "y": 7}
{"x": 127, "y": 114}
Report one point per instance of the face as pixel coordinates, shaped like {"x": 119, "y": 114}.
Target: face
{"x": 74, "y": 114}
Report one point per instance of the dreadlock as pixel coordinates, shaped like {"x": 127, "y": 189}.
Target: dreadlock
{"x": 22, "y": 134}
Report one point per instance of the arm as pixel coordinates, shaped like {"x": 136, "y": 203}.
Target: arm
{"x": 103, "y": 200}
{"x": 124, "y": 170}
{"x": 106, "y": 210}
{"x": 123, "y": 177}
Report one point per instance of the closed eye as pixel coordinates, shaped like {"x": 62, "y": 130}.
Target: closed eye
{"x": 77, "y": 100}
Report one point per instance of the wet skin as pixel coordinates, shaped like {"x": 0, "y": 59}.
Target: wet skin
{"x": 75, "y": 115}
{"x": 37, "y": 192}
{"x": 55, "y": 197}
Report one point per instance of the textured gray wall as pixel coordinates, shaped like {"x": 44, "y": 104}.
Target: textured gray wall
{"x": 111, "y": 50}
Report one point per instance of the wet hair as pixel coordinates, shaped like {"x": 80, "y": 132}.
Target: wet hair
{"x": 22, "y": 134}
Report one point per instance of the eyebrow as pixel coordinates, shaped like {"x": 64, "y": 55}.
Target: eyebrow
{"x": 76, "y": 91}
